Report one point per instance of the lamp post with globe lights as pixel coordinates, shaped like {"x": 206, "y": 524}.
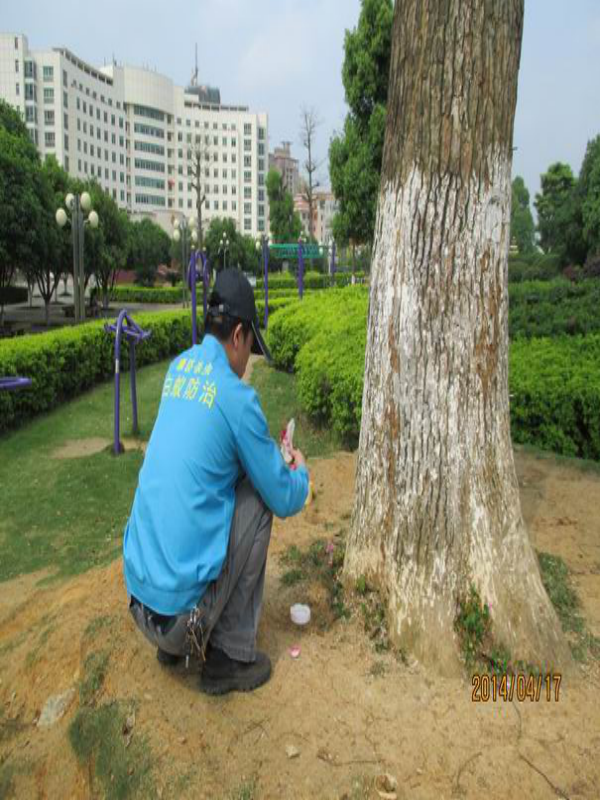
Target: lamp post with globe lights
{"x": 223, "y": 248}
{"x": 184, "y": 231}
{"x": 77, "y": 205}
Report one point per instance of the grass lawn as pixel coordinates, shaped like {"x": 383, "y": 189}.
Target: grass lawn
{"x": 69, "y": 514}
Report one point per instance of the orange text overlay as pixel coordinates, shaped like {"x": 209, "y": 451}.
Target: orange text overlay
{"x": 520, "y": 687}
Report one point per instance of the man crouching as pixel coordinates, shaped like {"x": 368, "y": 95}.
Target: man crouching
{"x": 196, "y": 542}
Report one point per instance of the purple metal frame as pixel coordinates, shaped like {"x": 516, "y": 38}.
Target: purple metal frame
{"x": 332, "y": 268}
{"x": 266, "y": 279}
{"x": 13, "y": 383}
{"x": 125, "y": 326}
{"x": 300, "y": 269}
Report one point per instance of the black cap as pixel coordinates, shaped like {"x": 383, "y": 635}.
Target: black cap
{"x": 232, "y": 295}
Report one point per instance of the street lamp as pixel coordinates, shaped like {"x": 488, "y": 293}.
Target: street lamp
{"x": 223, "y": 248}
{"x": 77, "y": 204}
{"x": 184, "y": 231}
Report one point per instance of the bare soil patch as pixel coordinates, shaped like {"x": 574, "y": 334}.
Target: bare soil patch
{"x": 351, "y": 713}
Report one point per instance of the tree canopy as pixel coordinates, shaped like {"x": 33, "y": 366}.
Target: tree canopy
{"x": 286, "y": 224}
{"x": 355, "y": 155}
{"x": 522, "y": 226}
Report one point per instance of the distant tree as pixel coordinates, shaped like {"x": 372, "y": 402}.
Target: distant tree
{"x": 309, "y": 124}
{"x": 21, "y": 190}
{"x": 148, "y": 247}
{"x": 106, "y": 248}
{"x": 589, "y": 193}
{"x": 522, "y": 226}
{"x": 286, "y": 224}
{"x": 218, "y": 227}
{"x": 56, "y": 251}
{"x": 559, "y": 210}
{"x": 355, "y": 155}
{"x": 199, "y": 160}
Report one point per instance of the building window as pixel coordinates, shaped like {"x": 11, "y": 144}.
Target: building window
{"x": 224, "y": 205}
{"x": 247, "y": 208}
{"x": 16, "y": 64}
{"x": 261, "y": 195}
{"x": 65, "y": 78}
{"x": 18, "y": 90}
{"x": 216, "y": 205}
{"x": 262, "y": 133}
{"x": 66, "y": 142}
{"x": 233, "y": 158}
{"x": 48, "y": 73}
{"x": 16, "y": 43}
{"x": 247, "y": 161}
{"x": 261, "y": 211}
{"x": 247, "y": 192}
{"x": 114, "y": 175}
{"x": 30, "y": 92}
{"x": 247, "y": 224}
{"x": 261, "y": 149}
{"x": 30, "y": 114}
{"x": 233, "y": 142}
{"x": 261, "y": 225}
{"x": 65, "y": 100}
{"x": 247, "y": 145}
{"x": 233, "y": 205}
{"x": 66, "y": 120}
{"x": 261, "y": 165}
{"x": 247, "y": 176}
{"x": 247, "y": 129}
{"x": 48, "y": 117}
{"x": 30, "y": 70}
{"x": 49, "y": 139}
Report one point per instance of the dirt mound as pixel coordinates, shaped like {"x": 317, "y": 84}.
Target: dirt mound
{"x": 345, "y": 713}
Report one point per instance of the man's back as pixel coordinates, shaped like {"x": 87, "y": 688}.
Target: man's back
{"x": 210, "y": 430}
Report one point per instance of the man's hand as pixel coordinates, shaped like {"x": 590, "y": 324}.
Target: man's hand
{"x": 299, "y": 460}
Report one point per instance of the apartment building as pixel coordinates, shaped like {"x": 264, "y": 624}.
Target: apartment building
{"x": 282, "y": 160}
{"x": 137, "y": 134}
{"x": 324, "y": 207}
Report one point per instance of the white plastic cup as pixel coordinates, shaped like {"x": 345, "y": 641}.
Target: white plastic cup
{"x": 300, "y": 614}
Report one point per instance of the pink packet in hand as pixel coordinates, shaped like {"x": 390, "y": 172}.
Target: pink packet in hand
{"x": 287, "y": 443}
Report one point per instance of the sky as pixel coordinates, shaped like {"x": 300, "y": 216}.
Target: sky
{"x": 281, "y": 55}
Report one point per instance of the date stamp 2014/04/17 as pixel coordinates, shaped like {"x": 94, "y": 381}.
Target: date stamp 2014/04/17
{"x": 520, "y": 687}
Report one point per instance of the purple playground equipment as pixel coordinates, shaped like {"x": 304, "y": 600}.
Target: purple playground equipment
{"x": 265, "y": 248}
{"x": 125, "y": 326}
{"x": 13, "y": 382}
{"x": 300, "y": 268}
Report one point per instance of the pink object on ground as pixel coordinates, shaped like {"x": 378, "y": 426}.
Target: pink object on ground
{"x": 294, "y": 651}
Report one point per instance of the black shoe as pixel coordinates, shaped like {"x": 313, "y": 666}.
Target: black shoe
{"x": 167, "y": 659}
{"x": 221, "y": 674}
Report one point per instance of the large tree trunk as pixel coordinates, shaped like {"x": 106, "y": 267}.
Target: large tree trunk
{"x": 437, "y": 502}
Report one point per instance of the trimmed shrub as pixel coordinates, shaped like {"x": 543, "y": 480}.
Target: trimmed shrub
{"x": 554, "y": 308}
{"x": 533, "y": 267}
{"x": 13, "y": 294}
{"x": 64, "y": 363}
{"x": 554, "y": 383}
{"x": 555, "y": 389}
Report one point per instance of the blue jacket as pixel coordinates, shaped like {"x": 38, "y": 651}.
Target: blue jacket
{"x": 209, "y": 431}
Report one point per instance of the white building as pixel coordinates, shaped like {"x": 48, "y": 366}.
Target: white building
{"x": 132, "y": 130}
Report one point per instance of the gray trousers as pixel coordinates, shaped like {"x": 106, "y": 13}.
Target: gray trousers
{"x": 230, "y": 609}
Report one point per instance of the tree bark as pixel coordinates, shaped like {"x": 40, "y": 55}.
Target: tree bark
{"x": 437, "y": 503}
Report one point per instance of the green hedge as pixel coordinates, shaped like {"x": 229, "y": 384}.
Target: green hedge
{"x": 554, "y": 308}
{"x": 555, "y": 388}
{"x": 141, "y": 294}
{"x": 64, "y": 363}
{"x": 533, "y": 267}
{"x": 312, "y": 280}
{"x": 554, "y": 383}
{"x": 299, "y": 321}
{"x": 13, "y": 294}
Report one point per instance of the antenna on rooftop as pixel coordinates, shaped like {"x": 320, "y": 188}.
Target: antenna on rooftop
{"x": 195, "y": 73}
